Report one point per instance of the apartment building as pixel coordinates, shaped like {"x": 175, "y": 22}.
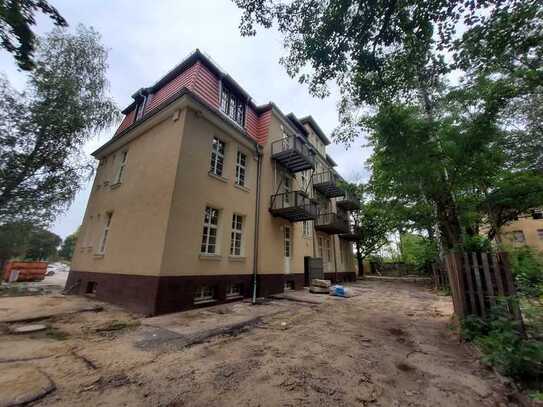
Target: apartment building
{"x": 203, "y": 197}
{"x": 526, "y": 230}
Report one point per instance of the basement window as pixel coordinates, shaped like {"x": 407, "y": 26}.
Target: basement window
{"x": 204, "y": 294}
{"x": 289, "y": 285}
{"x": 91, "y": 287}
{"x": 233, "y": 290}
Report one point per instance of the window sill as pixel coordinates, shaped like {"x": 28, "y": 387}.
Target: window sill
{"x": 240, "y": 259}
{"x": 218, "y": 177}
{"x": 199, "y": 302}
{"x": 243, "y": 188}
{"x": 234, "y": 297}
{"x": 212, "y": 257}
{"x": 116, "y": 185}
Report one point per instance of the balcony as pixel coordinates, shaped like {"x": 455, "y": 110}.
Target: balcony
{"x": 293, "y": 153}
{"x": 332, "y": 223}
{"x": 348, "y": 202}
{"x": 294, "y": 206}
{"x": 352, "y": 235}
{"x": 327, "y": 183}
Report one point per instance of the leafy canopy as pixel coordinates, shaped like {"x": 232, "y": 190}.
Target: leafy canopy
{"x": 16, "y": 20}
{"x": 42, "y": 130}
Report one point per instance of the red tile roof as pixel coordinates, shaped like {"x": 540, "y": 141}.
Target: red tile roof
{"x": 201, "y": 77}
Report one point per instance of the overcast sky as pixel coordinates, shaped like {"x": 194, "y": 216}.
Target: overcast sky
{"x": 146, "y": 39}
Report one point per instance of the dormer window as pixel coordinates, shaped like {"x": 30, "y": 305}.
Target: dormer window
{"x": 233, "y": 105}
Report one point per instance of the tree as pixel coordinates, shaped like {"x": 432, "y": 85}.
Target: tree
{"x": 418, "y": 250}
{"x": 68, "y": 246}
{"x": 392, "y": 55}
{"x": 16, "y": 19}
{"x": 42, "y": 130}
{"x": 42, "y": 244}
{"x": 13, "y": 240}
{"x": 27, "y": 241}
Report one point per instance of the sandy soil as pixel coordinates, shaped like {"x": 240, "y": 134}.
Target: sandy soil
{"x": 390, "y": 346}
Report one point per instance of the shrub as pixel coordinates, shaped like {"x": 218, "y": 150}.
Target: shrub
{"x": 527, "y": 268}
{"x": 503, "y": 347}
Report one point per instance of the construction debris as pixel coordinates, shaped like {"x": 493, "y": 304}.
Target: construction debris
{"x": 319, "y": 286}
{"x": 26, "y": 329}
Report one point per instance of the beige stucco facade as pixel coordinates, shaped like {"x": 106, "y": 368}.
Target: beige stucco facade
{"x": 153, "y": 215}
{"x": 527, "y": 230}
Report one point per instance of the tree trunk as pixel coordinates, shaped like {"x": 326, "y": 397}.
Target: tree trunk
{"x": 449, "y": 226}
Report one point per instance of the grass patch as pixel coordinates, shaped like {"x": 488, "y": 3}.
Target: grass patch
{"x": 116, "y": 325}
{"x": 57, "y": 334}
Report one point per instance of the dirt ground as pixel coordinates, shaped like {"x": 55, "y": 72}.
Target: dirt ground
{"x": 392, "y": 345}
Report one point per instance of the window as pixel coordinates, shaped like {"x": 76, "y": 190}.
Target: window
{"x": 233, "y": 106}
{"x": 236, "y": 238}
{"x": 233, "y": 290}
{"x": 122, "y": 167}
{"x": 91, "y": 287}
{"x": 328, "y": 249}
{"x": 241, "y": 169}
{"x": 307, "y": 228}
{"x": 209, "y": 236}
{"x": 320, "y": 247}
{"x": 105, "y": 234}
{"x": 204, "y": 293}
{"x": 288, "y": 241}
{"x": 518, "y": 236}
{"x": 217, "y": 157}
{"x": 540, "y": 233}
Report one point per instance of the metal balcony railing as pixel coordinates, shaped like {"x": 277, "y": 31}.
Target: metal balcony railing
{"x": 331, "y": 223}
{"x": 327, "y": 183}
{"x": 294, "y": 206}
{"x": 348, "y": 202}
{"x": 352, "y": 235}
{"x": 293, "y": 153}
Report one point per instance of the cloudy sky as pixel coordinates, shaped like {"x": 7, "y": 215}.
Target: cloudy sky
{"x": 147, "y": 38}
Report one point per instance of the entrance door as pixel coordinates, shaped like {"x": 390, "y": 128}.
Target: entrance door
{"x": 287, "y": 251}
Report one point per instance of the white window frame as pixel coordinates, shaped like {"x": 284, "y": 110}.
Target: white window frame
{"x": 519, "y": 233}
{"x": 328, "y": 247}
{"x": 241, "y": 169}
{"x": 204, "y": 293}
{"x": 217, "y": 157}
{"x": 307, "y": 227}
{"x": 209, "y": 226}
{"x": 105, "y": 233}
{"x": 233, "y": 290}
{"x": 236, "y": 235}
{"x": 320, "y": 246}
{"x": 287, "y": 240}
{"x": 122, "y": 167}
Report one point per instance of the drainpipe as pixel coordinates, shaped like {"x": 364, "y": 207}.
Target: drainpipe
{"x": 257, "y": 219}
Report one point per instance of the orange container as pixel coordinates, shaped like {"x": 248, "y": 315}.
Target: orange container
{"x": 25, "y": 270}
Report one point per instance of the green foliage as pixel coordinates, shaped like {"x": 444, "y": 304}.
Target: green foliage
{"x": 503, "y": 347}
{"x": 418, "y": 250}
{"x": 27, "y": 241}
{"x": 16, "y": 19}
{"x": 527, "y": 269}
{"x": 477, "y": 244}
{"x": 42, "y": 131}
{"x": 68, "y": 246}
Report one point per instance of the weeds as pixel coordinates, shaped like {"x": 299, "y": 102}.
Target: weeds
{"x": 499, "y": 339}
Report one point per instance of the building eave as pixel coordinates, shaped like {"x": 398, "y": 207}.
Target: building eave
{"x": 318, "y": 131}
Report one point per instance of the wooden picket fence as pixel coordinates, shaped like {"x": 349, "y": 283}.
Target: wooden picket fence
{"x": 440, "y": 276}
{"x": 478, "y": 280}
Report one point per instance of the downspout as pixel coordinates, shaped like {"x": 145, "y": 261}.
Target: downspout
{"x": 257, "y": 219}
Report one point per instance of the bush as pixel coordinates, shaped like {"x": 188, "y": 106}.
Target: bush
{"x": 476, "y": 244}
{"x": 527, "y": 269}
{"x": 503, "y": 347}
